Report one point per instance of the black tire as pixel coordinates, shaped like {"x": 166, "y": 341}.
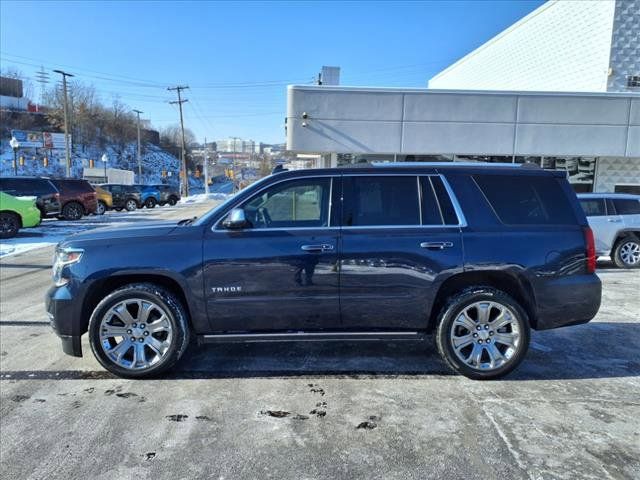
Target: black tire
{"x": 622, "y": 252}
{"x": 72, "y": 211}
{"x": 101, "y": 208}
{"x": 130, "y": 205}
{"x": 172, "y": 201}
{"x": 175, "y": 313}
{"x": 9, "y": 224}
{"x": 455, "y": 307}
{"x": 150, "y": 202}
{"x": 118, "y": 209}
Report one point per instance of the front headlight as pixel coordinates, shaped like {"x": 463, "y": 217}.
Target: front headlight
{"x": 64, "y": 257}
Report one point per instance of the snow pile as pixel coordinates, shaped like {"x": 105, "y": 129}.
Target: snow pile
{"x": 203, "y": 197}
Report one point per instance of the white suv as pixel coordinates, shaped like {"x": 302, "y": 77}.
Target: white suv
{"x": 615, "y": 221}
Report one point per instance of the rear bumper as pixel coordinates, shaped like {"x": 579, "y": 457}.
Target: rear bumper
{"x": 60, "y": 307}
{"x": 569, "y": 300}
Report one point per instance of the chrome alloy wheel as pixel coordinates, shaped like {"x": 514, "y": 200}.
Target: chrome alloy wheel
{"x": 630, "y": 253}
{"x": 485, "y": 335}
{"x": 135, "y": 334}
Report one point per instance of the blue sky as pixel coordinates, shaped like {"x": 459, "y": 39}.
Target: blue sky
{"x": 238, "y": 57}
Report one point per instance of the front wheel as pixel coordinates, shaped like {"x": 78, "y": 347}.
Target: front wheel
{"x": 130, "y": 205}
{"x": 627, "y": 253}
{"x": 483, "y": 333}
{"x": 9, "y": 224}
{"x": 150, "y": 202}
{"x": 139, "y": 330}
{"x": 173, "y": 201}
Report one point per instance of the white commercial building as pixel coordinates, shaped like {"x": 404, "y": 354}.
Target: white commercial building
{"x": 557, "y": 88}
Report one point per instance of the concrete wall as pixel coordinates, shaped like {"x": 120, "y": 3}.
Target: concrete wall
{"x": 560, "y": 46}
{"x": 420, "y": 121}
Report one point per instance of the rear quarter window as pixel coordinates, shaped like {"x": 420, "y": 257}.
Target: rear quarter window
{"x": 527, "y": 199}
{"x": 593, "y": 207}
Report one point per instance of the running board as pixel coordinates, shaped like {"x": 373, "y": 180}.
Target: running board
{"x": 308, "y": 336}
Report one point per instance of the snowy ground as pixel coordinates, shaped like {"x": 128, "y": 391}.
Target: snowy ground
{"x": 52, "y": 231}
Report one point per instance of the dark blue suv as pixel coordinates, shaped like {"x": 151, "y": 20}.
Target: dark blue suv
{"x": 475, "y": 254}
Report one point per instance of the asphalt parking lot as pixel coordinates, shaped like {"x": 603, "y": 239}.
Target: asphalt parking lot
{"x": 318, "y": 410}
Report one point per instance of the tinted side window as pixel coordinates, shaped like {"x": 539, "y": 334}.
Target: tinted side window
{"x": 448, "y": 212}
{"x": 294, "y": 204}
{"x": 430, "y": 209}
{"x": 371, "y": 201}
{"x": 43, "y": 187}
{"x": 593, "y": 207}
{"x": 526, "y": 200}
{"x": 626, "y": 206}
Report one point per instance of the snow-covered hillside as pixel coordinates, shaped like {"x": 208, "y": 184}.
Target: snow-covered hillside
{"x": 154, "y": 161}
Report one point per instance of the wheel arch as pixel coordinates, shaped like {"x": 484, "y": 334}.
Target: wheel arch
{"x": 101, "y": 288}
{"x": 511, "y": 283}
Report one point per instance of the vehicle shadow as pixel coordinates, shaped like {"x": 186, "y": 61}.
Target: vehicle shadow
{"x": 595, "y": 350}
{"x": 591, "y": 351}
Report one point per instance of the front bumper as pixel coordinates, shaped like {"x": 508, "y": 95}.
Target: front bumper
{"x": 569, "y": 300}
{"x": 60, "y": 307}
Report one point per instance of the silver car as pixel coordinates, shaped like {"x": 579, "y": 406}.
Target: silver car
{"x": 615, "y": 221}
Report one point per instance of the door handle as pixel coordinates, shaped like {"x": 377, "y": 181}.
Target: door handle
{"x": 436, "y": 245}
{"x": 324, "y": 247}
{"x": 614, "y": 220}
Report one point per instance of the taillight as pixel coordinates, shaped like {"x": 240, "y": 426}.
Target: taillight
{"x": 591, "y": 249}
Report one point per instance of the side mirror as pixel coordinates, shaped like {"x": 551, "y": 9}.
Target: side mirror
{"x": 236, "y": 220}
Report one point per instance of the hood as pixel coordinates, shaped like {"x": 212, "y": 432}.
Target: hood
{"x": 128, "y": 231}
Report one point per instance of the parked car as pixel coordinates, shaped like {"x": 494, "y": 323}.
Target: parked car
{"x": 477, "y": 254}
{"x": 615, "y": 220}
{"x": 105, "y": 200}
{"x": 123, "y": 196}
{"x": 169, "y": 194}
{"x": 77, "y": 198}
{"x": 149, "y": 195}
{"x": 47, "y": 195}
{"x": 17, "y": 213}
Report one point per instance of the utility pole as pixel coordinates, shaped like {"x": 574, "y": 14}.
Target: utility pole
{"x": 138, "y": 112}
{"x": 185, "y": 180}
{"x": 234, "y": 164}
{"x": 206, "y": 168}
{"x": 66, "y": 119}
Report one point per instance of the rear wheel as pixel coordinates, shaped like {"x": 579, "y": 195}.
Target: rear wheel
{"x": 483, "y": 333}
{"x": 173, "y": 201}
{"x": 72, "y": 211}
{"x": 626, "y": 253}
{"x": 150, "y": 202}
{"x": 139, "y": 330}
{"x": 130, "y": 205}
{"x": 9, "y": 224}
{"x": 101, "y": 208}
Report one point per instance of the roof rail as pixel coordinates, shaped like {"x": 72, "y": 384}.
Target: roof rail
{"x": 455, "y": 164}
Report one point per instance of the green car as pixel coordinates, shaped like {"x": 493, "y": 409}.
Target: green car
{"x": 17, "y": 213}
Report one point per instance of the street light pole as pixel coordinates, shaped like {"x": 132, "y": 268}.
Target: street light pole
{"x": 138, "y": 112}
{"x": 104, "y": 159}
{"x": 66, "y": 119}
{"x": 206, "y": 168}
{"x": 15, "y": 145}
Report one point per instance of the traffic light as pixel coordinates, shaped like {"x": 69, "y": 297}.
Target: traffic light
{"x": 21, "y": 161}
{"x": 45, "y": 162}
{"x": 91, "y": 163}
{"x": 164, "y": 173}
